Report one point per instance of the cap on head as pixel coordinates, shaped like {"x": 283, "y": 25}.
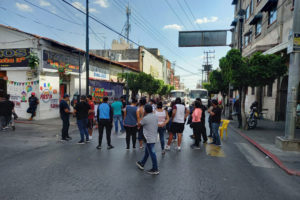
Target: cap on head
{"x": 66, "y": 96}
{"x": 148, "y": 108}
{"x": 33, "y": 93}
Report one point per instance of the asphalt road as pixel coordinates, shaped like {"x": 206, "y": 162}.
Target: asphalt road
{"x": 34, "y": 165}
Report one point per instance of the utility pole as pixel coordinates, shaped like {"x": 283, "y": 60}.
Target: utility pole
{"x": 207, "y": 63}
{"x": 79, "y": 73}
{"x": 87, "y": 57}
{"x": 127, "y": 25}
{"x": 294, "y": 79}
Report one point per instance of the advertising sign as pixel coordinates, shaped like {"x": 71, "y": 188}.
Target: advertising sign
{"x": 53, "y": 60}
{"x": 202, "y": 38}
{"x": 14, "y": 57}
{"x": 101, "y": 89}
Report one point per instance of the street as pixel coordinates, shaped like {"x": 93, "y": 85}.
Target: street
{"x": 35, "y": 165}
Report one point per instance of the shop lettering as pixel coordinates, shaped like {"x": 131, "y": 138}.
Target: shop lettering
{"x": 46, "y": 96}
{"x": 9, "y": 53}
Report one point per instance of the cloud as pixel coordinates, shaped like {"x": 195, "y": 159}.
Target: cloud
{"x": 206, "y": 20}
{"x": 24, "y": 7}
{"x": 173, "y": 26}
{"x": 102, "y": 3}
{"x": 44, "y": 3}
{"x": 79, "y": 6}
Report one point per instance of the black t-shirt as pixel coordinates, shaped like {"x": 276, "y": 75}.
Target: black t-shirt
{"x": 82, "y": 110}
{"x": 33, "y": 101}
{"x": 6, "y": 108}
{"x": 203, "y": 108}
{"x": 217, "y": 117}
{"x": 62, "y": 106}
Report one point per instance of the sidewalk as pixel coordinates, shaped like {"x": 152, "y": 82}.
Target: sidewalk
{"x": 47, "y": 122}
{"x": 264, "y": 135}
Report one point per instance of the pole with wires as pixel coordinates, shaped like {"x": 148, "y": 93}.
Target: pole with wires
{"x": 87, "y": 57}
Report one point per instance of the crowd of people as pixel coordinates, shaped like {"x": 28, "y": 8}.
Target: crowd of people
{"x": 143, "y": 121}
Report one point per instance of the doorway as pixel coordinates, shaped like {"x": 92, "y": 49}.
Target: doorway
{"x": 283, "y": 98}
{"x": 3, "y": 84}
{"x": 62, "y": 90}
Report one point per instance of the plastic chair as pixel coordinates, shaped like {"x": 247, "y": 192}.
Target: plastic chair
{"x": 223, "y": 128}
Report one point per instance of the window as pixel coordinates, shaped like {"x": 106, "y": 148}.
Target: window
{"x": 272, "y": 15}
{"x": 251, "y": 7}
{"x": 246, "y": 40}
{"x": 252, "y": 90}
{"x": 258, "y": 27}
{"x": 247, "y": 13}
{"x": 270, "y": 88}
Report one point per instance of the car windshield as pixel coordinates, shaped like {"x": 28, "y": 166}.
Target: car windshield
{"x": 177, "y": 94}
{"x": 199, "y": 94}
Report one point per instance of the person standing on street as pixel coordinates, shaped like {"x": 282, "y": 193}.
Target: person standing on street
{"x": 215, "y": 114}
{"x": 179, "y": 116}
{"x": 130, "y": 123}
{"x": 33, "y": 103}
{"x": 141, "y": 113}
{"x": 150, "y": 124}
{"x": 82, "y": 112}
{"x": 196, "y": 124}
{"x": 91, "y": 116}
{"x": 105, "y": 120}
{"x": 163, "y": 119}
{"x": 237, "y": 108}
{"x": 65, "y": 112}
{"x": 203, "y": 127}
{"x": 117, "y": 107}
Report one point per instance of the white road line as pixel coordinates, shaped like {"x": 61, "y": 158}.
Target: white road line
{"x": 254, "y": 157}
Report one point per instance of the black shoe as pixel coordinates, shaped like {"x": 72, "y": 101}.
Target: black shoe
{"x": 139, "y": 165}
{"x": 153, "y": 172}
{"x": 68, "y": 138}
{"x": 81, "y": 142}
{"x": 87, "y": 141}
{"x": 98, "y": 147}
{"x": 212, "y": 143}
{"x": 210, "y": 136}
{"x": 110, "y": 147}
{"x": 205, "y": 141}
{"x": 195, "y": 147}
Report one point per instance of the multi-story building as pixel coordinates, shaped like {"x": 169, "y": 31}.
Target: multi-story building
{"x": 264, "y": 25}
{"x": 177, "y": 82}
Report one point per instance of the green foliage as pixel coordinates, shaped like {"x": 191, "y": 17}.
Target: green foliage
{"x": 33, "y": 60}
{"x": 217, "y": 82}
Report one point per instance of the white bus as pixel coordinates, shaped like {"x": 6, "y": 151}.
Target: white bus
{"x": 198, "y": 93}
{"x": 178, "y": 93}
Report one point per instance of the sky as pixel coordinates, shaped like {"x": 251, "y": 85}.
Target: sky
{"x": 154, "y": 24}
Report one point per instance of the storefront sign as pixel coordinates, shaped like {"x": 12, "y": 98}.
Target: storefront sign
{"x": 103, "y": 88}
{"x": 14, "y": 57}
{"x": 53, "y": 60}
{"x": 46, "y": 95}
{"x": 99, "y": 73}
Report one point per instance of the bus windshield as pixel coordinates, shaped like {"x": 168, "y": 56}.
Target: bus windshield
{"x": 177, "y": 94}
{"x": 202, "y": 94}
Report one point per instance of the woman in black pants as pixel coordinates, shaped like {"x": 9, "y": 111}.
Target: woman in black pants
{"x": 130, "y": 123}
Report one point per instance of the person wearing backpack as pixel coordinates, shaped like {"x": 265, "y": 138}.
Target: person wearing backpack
{"x": 105, "y": 120}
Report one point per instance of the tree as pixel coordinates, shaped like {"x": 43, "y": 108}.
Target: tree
{"x": 133, "y": 82}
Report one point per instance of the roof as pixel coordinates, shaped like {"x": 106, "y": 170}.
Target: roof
{"x": 68, "y": 47}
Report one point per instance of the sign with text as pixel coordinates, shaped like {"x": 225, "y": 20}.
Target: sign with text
{"x": 202, "y": 38}
{"x": 53, "y": 60}
{"x": 14, "y": 57}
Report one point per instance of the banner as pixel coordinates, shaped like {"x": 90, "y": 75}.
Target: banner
{"x": 14, "y": 57}
{"x": 53, "y": 60}
{"x": 105, "y": 89}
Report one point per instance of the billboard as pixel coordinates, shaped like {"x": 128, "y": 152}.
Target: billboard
{"x": 102, "y": 89}
{"x": 14, "y": 57}
{"x": 202, "y": 38}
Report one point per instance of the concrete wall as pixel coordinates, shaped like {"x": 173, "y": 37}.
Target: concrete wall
{"x": 152, "y": 65}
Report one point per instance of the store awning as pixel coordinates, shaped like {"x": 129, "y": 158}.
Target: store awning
{"x": 256, "y": 18}
{"x": 234, "y": 2}
{"x": 234, "y": 22}
{"x": 269, "y": 5}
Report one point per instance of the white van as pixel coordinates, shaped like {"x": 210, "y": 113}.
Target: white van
{"x": 198, "y": 93}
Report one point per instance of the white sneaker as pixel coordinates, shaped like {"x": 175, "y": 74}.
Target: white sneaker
{"x": 179, "y": 148}
{"x": 167, "y": 148}
{"x": 90, "y": 137}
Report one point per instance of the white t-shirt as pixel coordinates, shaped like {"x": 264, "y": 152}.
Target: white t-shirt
{"x": 161, "y": 116}
{"x": 180, "y": 113}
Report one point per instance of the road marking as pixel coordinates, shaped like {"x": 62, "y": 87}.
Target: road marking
{"x": 254, "y": 157}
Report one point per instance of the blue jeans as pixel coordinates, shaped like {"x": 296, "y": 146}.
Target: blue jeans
{"x": 117, "y": 119}
{"x": 215, "y": 133}
{"x": 161, "y": 131}
{"x": 150, "y": 150}
{"x": 82, "y": 126}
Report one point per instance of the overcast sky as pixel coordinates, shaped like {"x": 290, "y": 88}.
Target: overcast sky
{"x": 154, "y": 24}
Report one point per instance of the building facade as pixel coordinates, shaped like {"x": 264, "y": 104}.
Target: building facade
{"x": 264, "y": 26}
{"x": 58, "y": 72}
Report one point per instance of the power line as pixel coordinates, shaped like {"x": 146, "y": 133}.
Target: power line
{"x": 187, "y": 16}
{"x": 100, "y": 22}
{"x": 189, "y": 8}
{"x": 172, "y": 9}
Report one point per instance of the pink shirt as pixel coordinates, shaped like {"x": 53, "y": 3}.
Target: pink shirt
{"x": 197, "y": 115}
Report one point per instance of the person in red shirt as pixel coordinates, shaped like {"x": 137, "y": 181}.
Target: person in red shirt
{"x": 91, "y": 116}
